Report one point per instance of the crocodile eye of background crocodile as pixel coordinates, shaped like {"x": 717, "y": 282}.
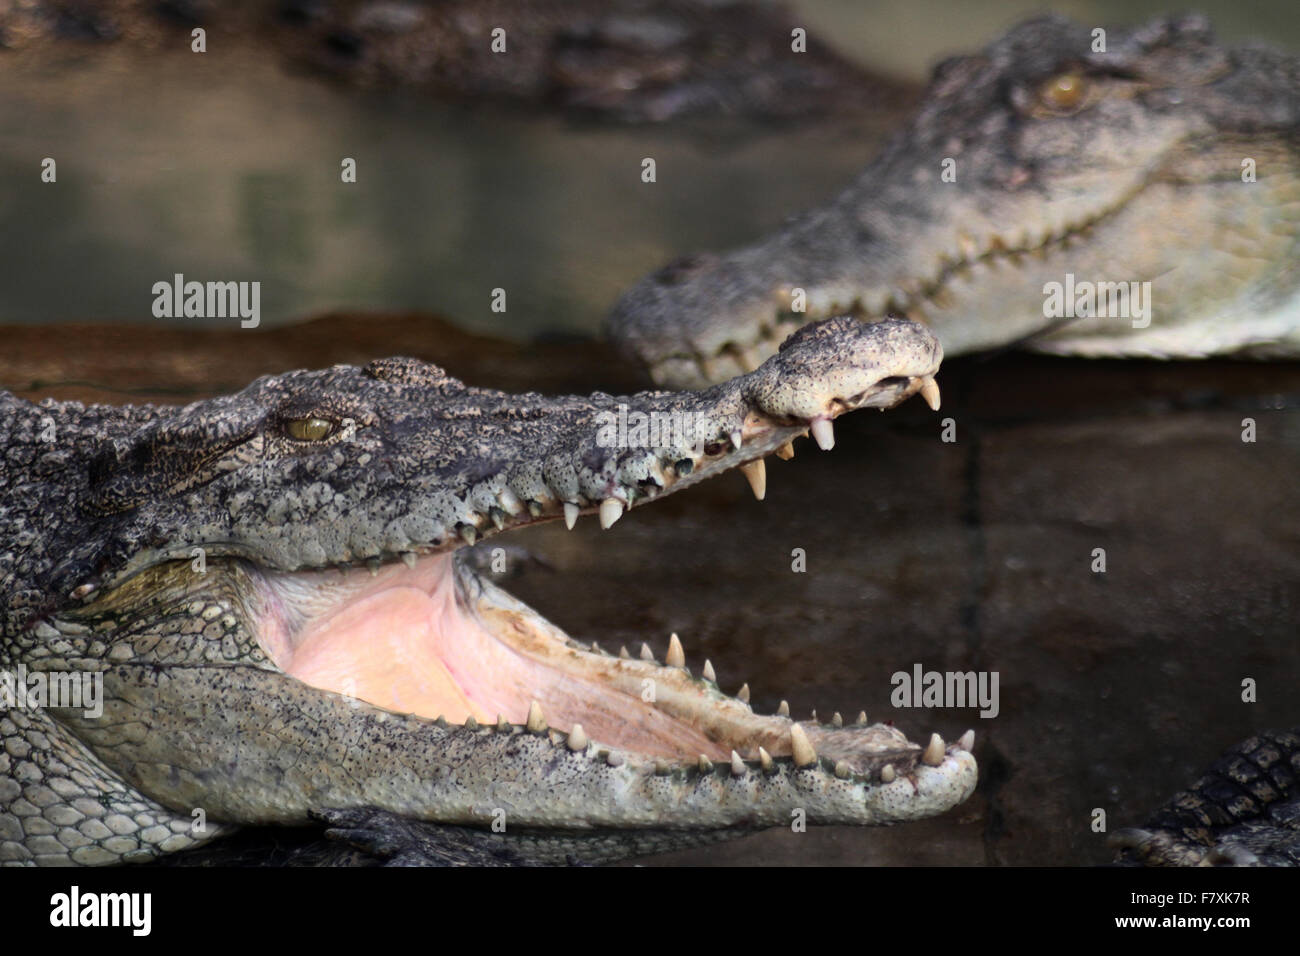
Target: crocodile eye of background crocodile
{"x": 1065, "y": 93}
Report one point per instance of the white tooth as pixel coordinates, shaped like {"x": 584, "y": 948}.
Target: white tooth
{"x": 823, "y": 433}
{"x": 764, "y": 759}
{"x": 498, "y": 518}
{"x": 705, "y": 765}
{"x": 676, "y": 656}
{"x": 614, "y": 759}
{"x": 570, "y": 514}
{"x": 502, "y": 724}
{"x": 373, "y": 565}
{"x": 784, "y": 709}
{"x": 707, "y": 673}
{"x": 786, "y": 451}
{"x": 622, "y": 652}
{"x": 743, "y": 693}
{"x": 933, "y": 755}
{"x": 756, "y": 474}
{"x": 966, "y": 741}
{"x": 471, "y": 723}
{"x": 409, "y": 558}
{"x": 837, "y": 720}
{"x": 930, "y": 392}
{"x": 536, "y": 722}
{"x": 862, "y": 718}
{"x": 646, "y": 653}
{"x": 737, "y": 765}
{"x": 887, "y": 773}
{"x": 577, "y": 738}
{"x": 736, "y": 438}
{"x": 611, "y": 509}
{"x": 842, "y": 769}
{"x": 509, "y": 501}
{"x": 804, "y": 754}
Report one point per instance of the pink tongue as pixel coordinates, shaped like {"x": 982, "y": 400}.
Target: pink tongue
{"x": 381, "y": 649}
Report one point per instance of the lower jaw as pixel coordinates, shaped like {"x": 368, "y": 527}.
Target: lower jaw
{"x": 437, "y": 641}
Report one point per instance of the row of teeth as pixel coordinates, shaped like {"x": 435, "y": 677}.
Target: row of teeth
{"x": 611, "y": 509}
{"x": 801, "y": 748}
{"x": 803, "y": 754}
{"x": 967, "y": 252}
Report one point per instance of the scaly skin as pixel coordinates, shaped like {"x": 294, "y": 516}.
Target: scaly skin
{"x": 299, "y": 477}
{"x": 1245, "y": 811}
{"x": 1118, "y": 166}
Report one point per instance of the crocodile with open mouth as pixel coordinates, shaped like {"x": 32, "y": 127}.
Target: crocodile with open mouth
{"x": 1164, "y": 158}
{"x": 269, "y": 588}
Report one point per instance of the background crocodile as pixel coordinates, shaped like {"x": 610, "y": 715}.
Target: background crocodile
{"x": 1119, "y": 166}
{"x": 264, "y": 584}
{"x": 612, "y": 60}
{"x": 1244, "y": 811}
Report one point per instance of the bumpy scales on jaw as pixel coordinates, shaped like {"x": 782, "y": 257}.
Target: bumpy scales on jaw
{"x": 1033, "y": 160}
{"x": 235, "y": 571}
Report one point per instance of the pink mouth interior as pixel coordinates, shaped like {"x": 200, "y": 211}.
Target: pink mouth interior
{"x": 403, "y": 640}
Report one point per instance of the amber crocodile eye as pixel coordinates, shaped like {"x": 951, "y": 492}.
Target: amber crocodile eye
{"x": 310, "y": 428}
{"x": 1064, "y": 93}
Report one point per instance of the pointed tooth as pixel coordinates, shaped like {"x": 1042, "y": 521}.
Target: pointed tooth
{"x": 705, "y": 765}
{"x": 623, "y": 654}
{"x": 536, "y": 722}
{"x": 595, "y": 648}
{"x": 577, "y": 738}
{"x": 373, "y": 565}
{"x": 804, "y": 754}
{"x": 764, "y": 759}
{"x": 469, "y": 533}
{"x": 814, "y": 716}
{"x": 823, "y": 433}
{"x": 784, "y": 709}
{"x": 707, "y": 673}
{"x": 570, "y": 514}
{"x": 887, "y": 773}
{"x": 786, "y": 451}
{"x": 535, "y": 508}
{"x": 837, "y": 720}
{"x": 646, "y": 653}
{"x": 933, "y": 754}
{"x": 737, "y": 765}
{"x": 743, "y": 694}
{"x": 471, "y": 723}
{"x": 409, "y": 558}
{"x": 842, "y": 769}
{"x": 736, "y": 438}
{"x": 611, "y": 509}
{"x": 930, "y": 392}
{"x": 502, "y": 724}
{"x": 756, "y": 474}
{"x": 441, "y": 721}
{"x": 862, "y": 718}
{"x": 498, "y": 518}
{"x": 676, "y": 656}
{"x": 966, "y": 741}
{"x": 510, "y": 501}
{"x": 614, "y": 759}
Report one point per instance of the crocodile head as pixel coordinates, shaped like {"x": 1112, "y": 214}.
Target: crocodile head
{"x": 270, "y": 584}
{"x": 1164, "y": 158}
